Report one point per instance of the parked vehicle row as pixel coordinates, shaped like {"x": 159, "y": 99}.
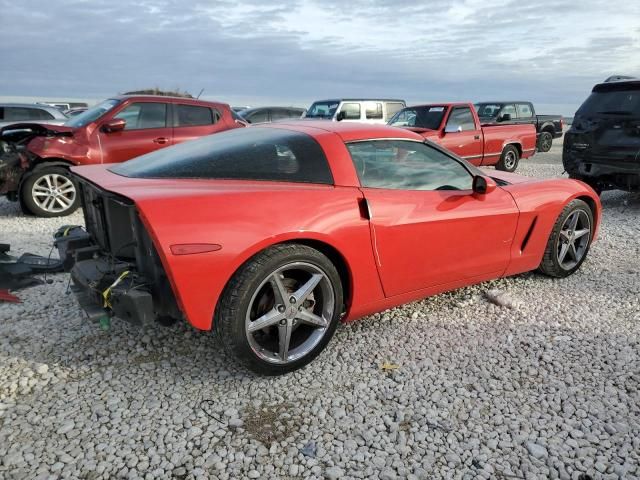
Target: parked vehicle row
{"x": 548, "y": 127}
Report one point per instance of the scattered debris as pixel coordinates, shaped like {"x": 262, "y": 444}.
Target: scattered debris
{"x": 16, "y": 273}
{"x": 500, "y": 298}
{"x": 309, "y": 450}
{"x": 6, "y": 296}
{"x": 387, "y": 367}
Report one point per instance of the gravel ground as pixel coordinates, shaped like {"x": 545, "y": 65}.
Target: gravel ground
{"x": 543, "y": 383}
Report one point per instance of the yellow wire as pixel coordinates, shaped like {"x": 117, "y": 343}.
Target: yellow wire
{"x": 107, "y": 292}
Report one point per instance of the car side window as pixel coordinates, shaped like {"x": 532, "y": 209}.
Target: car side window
{"x": 194, "y": 115}
{"x": 524, "y": 110}
{"x": 351, "y": 111}
{"x": 144, "y": 115}
{"x": 392, "y": 109}
{"x": 407, "y": 165}
{"x": 259, "y": 116}
{"x": 25, "y": 113}
{"x": 373, "y": 110}
{"x": 461, "y": 117}
{"x": 280, "y": 114}
{"x": 510, "y": 109}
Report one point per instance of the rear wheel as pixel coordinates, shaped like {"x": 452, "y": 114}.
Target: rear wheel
{"x": 280, "y": 309}
{"x": 50, "y": 192}
{"x": 545, "y": 140}
{"x": 509, "y": 159}
{"x": 569, "y": 241}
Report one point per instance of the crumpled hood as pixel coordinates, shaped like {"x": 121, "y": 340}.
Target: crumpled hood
{"x": 20, "y": 131}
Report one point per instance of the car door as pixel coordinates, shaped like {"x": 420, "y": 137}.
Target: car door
{"x": 428, "y": 228}
{"x": 462, "y": 136}
{"x": 146, "y": 130}
{"x": 195, "y": 121}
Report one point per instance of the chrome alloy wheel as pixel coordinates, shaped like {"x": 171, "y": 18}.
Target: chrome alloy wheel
{"x": 290, "y": 312}
{"x": 509, "y": 159}
{"x": 573, "y": 240}
{"x": 53, "y": 193}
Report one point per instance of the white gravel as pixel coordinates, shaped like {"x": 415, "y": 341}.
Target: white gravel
{"x": 525, "y": 378}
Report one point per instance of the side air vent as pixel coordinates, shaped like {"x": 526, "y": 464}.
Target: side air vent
{"x": 526, "y": 238}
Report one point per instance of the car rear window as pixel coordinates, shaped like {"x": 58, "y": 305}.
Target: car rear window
{"x": 194, "y": 115}
{"x": 241, "y": 154}
{"x": 613, "y": 99}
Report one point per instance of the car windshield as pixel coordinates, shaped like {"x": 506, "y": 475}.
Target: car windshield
{"x": 92, "y": 114}
{"x": 622, "y": 102}
{"x": 241, "y": 154}
{"x": 421, "y": 117}
{"x": 324, "y": 109}
{"x": 488, "y": 110}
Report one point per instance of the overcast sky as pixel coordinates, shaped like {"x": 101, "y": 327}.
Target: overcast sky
{"x": 294, "y": 51}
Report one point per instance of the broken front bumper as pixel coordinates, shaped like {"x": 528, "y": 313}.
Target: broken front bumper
{"x": 104, "y": 286}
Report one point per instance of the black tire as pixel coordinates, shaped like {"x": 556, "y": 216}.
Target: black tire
{"x": 509, "y": 159}
{"x": 545, "y": 141}
{"x": 243, "y": 292}
{"x": 68, "y": 200}
{"x": 551, "y": 264}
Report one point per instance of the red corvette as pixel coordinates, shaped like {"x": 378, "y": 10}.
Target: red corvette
{"x": 271, "y": 235}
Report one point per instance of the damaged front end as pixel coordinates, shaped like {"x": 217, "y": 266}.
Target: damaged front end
{"x": 114, "y": 266}
{"x": 15, "y": 158}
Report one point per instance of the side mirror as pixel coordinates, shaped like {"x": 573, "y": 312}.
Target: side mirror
{"x": 114, "y": 125}
{"x": 505, "y": 117}
{"x": 483, "y": 185}
{"x": 453, "y": 128}
{"x": 341, "y": 116}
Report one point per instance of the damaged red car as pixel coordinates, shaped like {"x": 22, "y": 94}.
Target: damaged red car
{"x": 272, "y": 235}
{"x": 35, "y": 158}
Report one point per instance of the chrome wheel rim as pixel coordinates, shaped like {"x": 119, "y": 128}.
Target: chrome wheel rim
{"x": 509, "y": 159}
{"x": 53, "y": 193}
{"x": 289, "y": 313}
{"x": 546, "y": 142}
{"x": 573, "y": 240}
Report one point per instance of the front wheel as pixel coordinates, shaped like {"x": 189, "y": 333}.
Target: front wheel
{"x": 280, "y": 309}
{"x": 509, "y": 159}
{"x": 50, "y": 192}
{"x": 545, "y": 140}
{"x": 569, "y": 241}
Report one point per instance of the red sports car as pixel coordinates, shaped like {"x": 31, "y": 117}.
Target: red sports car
{"x": 271, "y": 235}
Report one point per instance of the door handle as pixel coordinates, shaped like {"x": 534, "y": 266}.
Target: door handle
{"x": 476, "y": 137}
{"x": 161, "y": 140}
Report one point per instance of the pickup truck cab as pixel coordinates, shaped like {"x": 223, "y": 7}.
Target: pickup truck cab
{"x": 457, "y": 128}
{"x": 548, "y": 127}
{"x": 35, "y": 158}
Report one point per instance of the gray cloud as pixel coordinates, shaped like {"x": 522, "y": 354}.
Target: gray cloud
{"x": 282, "y": 53}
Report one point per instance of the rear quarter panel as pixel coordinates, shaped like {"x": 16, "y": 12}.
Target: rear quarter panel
{"x": 496, "y": 137}
{"x": 244, "y": 222}
{"x": 541, "y": 202}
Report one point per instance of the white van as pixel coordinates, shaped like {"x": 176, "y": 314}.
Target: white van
{"x": 355, "y": 110}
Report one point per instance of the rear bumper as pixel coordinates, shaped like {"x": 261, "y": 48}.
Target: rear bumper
{"x": 609, "y": 173}
{"x": 104, "y": 286}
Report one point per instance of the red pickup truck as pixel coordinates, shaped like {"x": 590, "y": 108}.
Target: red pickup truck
{"x": 35, "y": 158}
{"x": 457, "y": 128}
